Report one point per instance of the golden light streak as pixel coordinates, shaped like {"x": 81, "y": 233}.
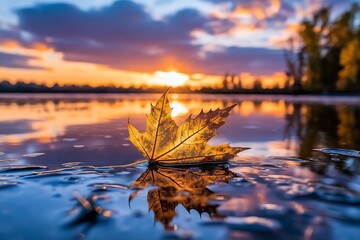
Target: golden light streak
{"x": 50, "y": 119}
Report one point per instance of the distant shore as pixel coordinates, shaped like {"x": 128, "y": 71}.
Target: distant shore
{"x": 24, "y": 87}
{"x": 185, "y": 91}
{"x": 264, "y": 92}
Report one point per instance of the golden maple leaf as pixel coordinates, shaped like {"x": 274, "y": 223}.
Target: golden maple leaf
{"x": 166, "y": 143}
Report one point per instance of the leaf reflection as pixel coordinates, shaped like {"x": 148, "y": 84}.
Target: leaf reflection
{"x": 185, "y": 186}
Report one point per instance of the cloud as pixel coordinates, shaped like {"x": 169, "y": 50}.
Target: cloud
{"x": 16, "y": 61}
{"x": 275, "y": 13}
{"x": 244, "y": 59}
{"x": 12, "y": 34}
{"x": 122, "y": 21}
{"x": 125, "y": 36}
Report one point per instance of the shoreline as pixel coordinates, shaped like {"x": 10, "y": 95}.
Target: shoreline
{"x": 330, "y": 94}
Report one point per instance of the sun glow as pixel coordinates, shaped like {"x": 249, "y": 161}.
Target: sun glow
{"x": 178, "y": 109}
{"x": 49, "y": 67}
{"x": 172, "y": 78}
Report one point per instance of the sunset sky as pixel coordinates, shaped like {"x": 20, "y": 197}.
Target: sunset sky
{"x": 149, "y": 42}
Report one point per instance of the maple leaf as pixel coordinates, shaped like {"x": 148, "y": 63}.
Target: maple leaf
{"x": 166, "y": 143}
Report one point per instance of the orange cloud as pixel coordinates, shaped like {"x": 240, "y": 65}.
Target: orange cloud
{"x": 10, "y": 44}
{"x": 40, "y": 46}
{"x": 259, "y": 9}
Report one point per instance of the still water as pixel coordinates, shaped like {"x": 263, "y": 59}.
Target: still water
{"x": 62, "y": 173}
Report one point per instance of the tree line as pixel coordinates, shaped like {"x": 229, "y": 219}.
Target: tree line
{"x": 328, "y": 58}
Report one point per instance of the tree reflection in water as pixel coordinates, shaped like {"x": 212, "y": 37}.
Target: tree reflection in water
{"x": 185, "y": 186}
{"x": 318, "y": 125}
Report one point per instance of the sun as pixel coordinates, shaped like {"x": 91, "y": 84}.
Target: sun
{"x": 172, "y": 78}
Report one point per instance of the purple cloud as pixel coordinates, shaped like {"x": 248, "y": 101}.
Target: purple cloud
{"x": 16, "y": 61}
{"x": 124, "y": 36}
{"x": 244, "y": 59}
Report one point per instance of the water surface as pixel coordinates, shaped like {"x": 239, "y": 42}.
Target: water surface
{"x": 60, "y": 155}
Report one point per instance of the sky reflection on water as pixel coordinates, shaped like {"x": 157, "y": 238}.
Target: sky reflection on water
{"x": 94, "y": 129}
{"x": 58, "y": 152}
